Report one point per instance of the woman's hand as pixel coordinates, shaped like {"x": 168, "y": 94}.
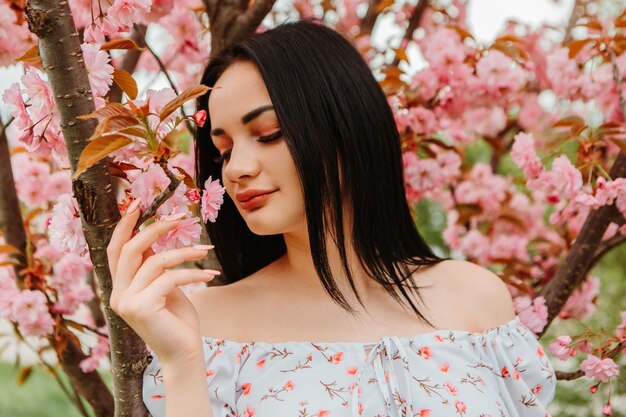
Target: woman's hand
{"x": 146, "y": 294}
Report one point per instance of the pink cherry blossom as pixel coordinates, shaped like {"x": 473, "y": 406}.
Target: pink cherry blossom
{"x": 186, "y": 233}
{"x": 486, "y": 121}
{"x": 580, "y": 304}
{"x": 30, "y": 311}
{"x": 562, "y": 180}
{"x": 499, "y": 74}
{"x": 97, "y": 353}
{"x": 560, "y": 348}
{"x": 212, "y": 199}
{"x": 149, "y": 184}
{"x": 532, "y": 313}
{"x": 40, "y": 94}
{"x": 443, "y": 48}
{"x": 599, "y": 369}
{"x": 13, "y": 96}
{"x": 98, "y": 68}
{"x": 125, "y": 12}
{"x": 66, "y": 230}
{"x": 8, "y": 291}
{"x": 524, "y": 155}
{"x": 15, "y": 38}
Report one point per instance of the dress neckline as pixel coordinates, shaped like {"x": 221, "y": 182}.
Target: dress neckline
{"x": 504, "y": 327}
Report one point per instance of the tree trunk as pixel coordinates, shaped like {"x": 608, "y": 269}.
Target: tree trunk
{"x": 61, "y": 57}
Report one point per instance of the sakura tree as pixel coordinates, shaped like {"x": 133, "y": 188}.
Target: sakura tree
{"x": 84, "y": 142}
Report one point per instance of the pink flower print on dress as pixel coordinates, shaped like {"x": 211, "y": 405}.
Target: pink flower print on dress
{"x": 451, "y": 388}
{"x": 289, "y": 385}
{"x": 336, "y": 358}
{"x": 425, "y": 352}
{"x": 323, "y": 413}
{"x": 460, "y": 407}
{"x": 248, "y": 412}
{"x": 352, "y": 370}
{"x": 425, "y": 413}
{"x": 260, "y": 363}
{"x": 247, "y": 387}
{"x": 444, "y": 367}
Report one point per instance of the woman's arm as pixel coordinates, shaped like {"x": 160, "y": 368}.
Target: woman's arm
{"x": 186, "y": 389}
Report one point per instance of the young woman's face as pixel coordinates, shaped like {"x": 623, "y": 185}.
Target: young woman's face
{"x": 245, "y": 130}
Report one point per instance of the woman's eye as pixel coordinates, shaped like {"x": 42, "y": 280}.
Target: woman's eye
{"x": 271, "y": 138}
{"x": 226, "y": 155}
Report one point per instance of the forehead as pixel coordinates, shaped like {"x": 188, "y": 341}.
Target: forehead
{"x": 238, "y": 90}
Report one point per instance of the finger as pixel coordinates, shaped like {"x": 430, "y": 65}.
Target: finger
{"x": 157, "y": 264}
{"x": 165, "y": 283}
{"x": 121, "y": 234}
{"x": 131, "y": 254}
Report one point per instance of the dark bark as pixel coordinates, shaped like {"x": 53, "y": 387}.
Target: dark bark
{"x": 11, "y": 222}
{"x": 61, "y": 57}
{"x": 232, "y": 20}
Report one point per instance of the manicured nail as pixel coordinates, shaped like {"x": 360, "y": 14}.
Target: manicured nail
{"x": 212, "y": 271}
{"x": 203, "y": 247}
{"x": 173, "y": 217}
{"x": 133, "y": 206}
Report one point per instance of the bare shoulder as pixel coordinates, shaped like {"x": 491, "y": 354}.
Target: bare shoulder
{"x": 219, "y": 310}
{"x": 478, "y": 293}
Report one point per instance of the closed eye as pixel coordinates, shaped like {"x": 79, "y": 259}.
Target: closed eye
{"x": 263, "y": 139}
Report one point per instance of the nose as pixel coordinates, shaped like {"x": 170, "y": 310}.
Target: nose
{"x": 243, "y": 162}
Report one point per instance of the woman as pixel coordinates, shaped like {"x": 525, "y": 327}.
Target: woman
{"x": 314, "y": 222}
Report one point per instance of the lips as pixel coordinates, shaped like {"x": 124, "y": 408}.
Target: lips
{"x": 247, "y": 195}
{"x": 254, "y": 199}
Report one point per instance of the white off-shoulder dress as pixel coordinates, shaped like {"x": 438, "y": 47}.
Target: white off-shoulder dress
{"x": 503, "y": 371}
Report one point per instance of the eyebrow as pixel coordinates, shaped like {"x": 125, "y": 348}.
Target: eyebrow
{"x": 246, "y": 118}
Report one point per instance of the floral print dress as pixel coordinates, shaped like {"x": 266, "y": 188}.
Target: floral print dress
{"x": 503, "y": 371}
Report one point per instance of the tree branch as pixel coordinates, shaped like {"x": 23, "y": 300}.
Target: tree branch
{"x": 580, "y": 256}
{"x": 414, "y": 22}
{"x": 371, "y": 16}
{"x": 569, "y": 376}
{"x": 231, "y": 22}
{"x": 62, "y": 59}
{"x": 129, "y": 63}
{"x": 606, "y": 246}
{"x": 577, "y": 12}
{"x": 11, "y": 220}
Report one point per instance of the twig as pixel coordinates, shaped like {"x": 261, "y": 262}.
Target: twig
{"x": 577, "y": 12}
{"x": 169, "y": 79}
{"x": 162, "y": 198}
{"x": 414, "y": 22}
{"x": 129, "y": 63}
{"x": 371, "y": 16}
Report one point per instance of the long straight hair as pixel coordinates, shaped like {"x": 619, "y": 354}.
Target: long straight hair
{"x": 333, "y": 115}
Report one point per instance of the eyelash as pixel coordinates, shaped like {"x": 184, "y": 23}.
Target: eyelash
{"x": 264, "y": 139}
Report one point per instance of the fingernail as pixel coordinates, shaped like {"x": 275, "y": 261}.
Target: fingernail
{"x": 212, "y": 271}
{"x": 173, "y": 217}
{"x": 133, "y": 206}
{"x": 203, "y": 247}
